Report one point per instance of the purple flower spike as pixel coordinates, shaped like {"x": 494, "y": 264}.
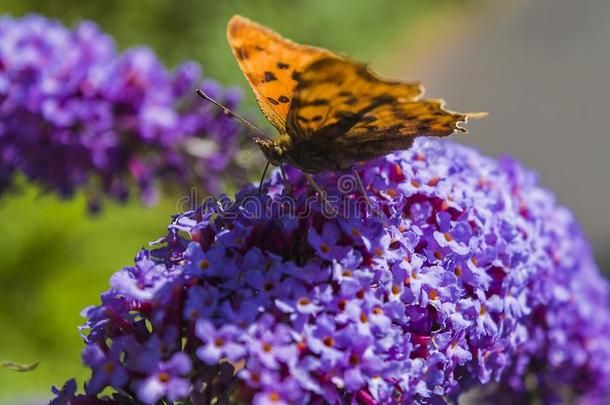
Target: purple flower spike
{"x": 77, "y": 115}
{"x": 471, "y": 275}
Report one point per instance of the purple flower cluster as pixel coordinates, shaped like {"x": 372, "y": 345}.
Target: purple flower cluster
{"x": 472, "y": 274}
{"x": 75, "y": 113}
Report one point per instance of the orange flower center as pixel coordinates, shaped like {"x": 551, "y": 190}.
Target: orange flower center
{"x": 396, "y": 289}
{"x": 109, "y": 367}
{"x": 434, "y": 181}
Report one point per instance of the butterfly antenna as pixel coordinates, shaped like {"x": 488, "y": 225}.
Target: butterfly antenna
{"x": 228, "y": 112}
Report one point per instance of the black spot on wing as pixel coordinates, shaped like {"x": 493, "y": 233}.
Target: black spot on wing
{"x": 296, "y": 76}
{"x": 316, "y": 118}
{"x": 363, "y": 72}
{"x": 269, "y": 77}
{"x": 259, "y": 48}
{"x": 272, "y": 101}
{"x": 241, "y": 53}
{"x": 318, "y": 101}
{"x": 284, "y": 99}
{"x": 282, "y": 65}
{"x": 347, "y": 116}
{"x": 298, "y": 102}
{"x": 382, "y": 99}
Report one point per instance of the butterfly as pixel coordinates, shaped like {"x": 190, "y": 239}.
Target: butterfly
{"x": 330, "y": 112}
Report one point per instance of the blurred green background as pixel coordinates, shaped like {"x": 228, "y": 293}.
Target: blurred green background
{"x": 54, "y": 258}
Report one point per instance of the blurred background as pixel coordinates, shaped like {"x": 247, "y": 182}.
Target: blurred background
{"x": 539, "y": 67}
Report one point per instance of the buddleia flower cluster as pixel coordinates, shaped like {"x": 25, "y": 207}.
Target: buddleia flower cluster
{"x": 467, "y": 274}
{"x": 77, "y": 114}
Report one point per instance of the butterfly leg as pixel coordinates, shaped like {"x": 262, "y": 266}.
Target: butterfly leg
{"x": 364, "y": 193}
{"x": 287, "y": 187}
{"x": 321, "y": 193}
{"x": 260, "y": 185}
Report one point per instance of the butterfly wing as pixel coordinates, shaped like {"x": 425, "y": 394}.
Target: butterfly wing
{"x": 359, "y": 116}
{"x": 272, "y": 65}
{"x": 394, "y": 126}
{"x": 336, "y": 92}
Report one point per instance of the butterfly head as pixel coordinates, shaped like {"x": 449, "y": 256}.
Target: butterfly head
{"x": 273, "y": 151}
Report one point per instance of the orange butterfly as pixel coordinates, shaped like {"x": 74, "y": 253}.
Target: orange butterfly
{"x": 330, "y": 112}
